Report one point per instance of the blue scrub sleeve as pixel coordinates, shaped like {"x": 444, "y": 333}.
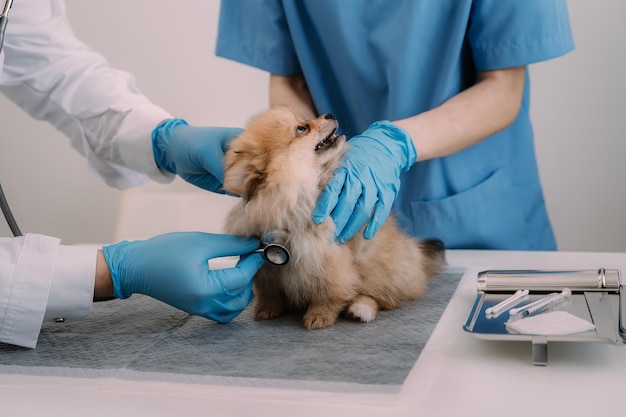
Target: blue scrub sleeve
{"x": 256, "y": 33}
{"x": 511, "y": 33}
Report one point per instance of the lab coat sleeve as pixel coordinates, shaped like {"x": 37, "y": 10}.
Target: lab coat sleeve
{"x": 41, "y": 280}
{"x": 55, "y": 77}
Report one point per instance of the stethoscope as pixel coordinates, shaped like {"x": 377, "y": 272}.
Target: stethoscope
{"x": 3, "y": 18}
{"x": 4, "y": 205}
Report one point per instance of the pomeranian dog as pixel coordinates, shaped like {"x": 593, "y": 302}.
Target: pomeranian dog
{"x": 279, "y": 165}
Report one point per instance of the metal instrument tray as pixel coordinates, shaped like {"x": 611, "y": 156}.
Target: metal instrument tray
{"x": 596, "y": 297}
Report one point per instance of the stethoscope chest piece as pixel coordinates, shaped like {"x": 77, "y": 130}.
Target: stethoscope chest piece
{"x": 274, "y": 246}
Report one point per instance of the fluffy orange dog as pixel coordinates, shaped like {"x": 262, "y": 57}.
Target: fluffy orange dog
{"x": 279, "y": 165}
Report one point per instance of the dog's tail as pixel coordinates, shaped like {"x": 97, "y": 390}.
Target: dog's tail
{"x": 434, "y": 259}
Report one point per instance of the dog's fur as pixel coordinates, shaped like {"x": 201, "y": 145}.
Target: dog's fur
{"x": 279, "y": 165}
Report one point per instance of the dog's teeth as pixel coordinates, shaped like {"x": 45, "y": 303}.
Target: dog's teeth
{"x": 326, "y": 142}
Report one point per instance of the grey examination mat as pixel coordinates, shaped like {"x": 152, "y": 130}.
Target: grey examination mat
{"x": 144, "y": 339}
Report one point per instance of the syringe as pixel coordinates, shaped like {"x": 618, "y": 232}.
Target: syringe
{"x": 541, "y": 305}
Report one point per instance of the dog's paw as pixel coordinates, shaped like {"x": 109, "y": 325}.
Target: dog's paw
{"x": 364, "y": 309}
{"x": 314, "y": 321}
{"x": 267, "y": 313}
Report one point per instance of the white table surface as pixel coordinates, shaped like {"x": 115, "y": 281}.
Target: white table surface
{"x": 457, "y": 374}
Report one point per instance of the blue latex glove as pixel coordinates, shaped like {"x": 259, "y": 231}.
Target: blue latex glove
{"x": 196, "y": 154}
{"x": 366, "y": 185}
{"x": 174, "y": 268}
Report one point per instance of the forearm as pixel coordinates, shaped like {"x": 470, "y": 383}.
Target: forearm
{"x": 487, "y": 107}
{"x": 103, "y": 286}
{"x": 292, "y": 92}
{"x": 482, "y": 110}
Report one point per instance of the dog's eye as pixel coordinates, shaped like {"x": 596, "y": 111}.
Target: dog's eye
{"x": 301, "y": 129}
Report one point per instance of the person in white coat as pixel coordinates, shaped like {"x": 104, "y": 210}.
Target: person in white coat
{"x": 126, "y": 141}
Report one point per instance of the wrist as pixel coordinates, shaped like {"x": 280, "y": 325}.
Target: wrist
{"x": 396, "y": 140}
{"x": 115, "y": 266}
{"x": 161, "y": 141}
{"x": 103, "y": 285}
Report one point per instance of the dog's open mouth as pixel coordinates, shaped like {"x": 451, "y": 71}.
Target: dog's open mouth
{"x": 327, "y": 142}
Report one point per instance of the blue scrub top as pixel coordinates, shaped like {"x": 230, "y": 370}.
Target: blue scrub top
{"x": 390, "y": 59}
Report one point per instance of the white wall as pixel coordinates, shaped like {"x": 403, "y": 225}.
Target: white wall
{"x": 579, "y": 113}
{"x": 579, "y": 109}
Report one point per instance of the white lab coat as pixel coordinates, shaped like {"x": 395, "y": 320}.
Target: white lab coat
{"x": 55, "y": 77}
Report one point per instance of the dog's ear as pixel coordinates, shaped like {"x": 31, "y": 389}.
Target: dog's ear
{"x": 243, "y": 172}
{"x": 253, "y": 184}
{"x": 235, "y": 172}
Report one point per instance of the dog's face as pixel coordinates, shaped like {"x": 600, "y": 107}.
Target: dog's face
{"x": 278, "y": 148}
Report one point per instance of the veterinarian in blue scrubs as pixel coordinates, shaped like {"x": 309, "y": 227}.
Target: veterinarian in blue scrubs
{"x": 436, "y": 96}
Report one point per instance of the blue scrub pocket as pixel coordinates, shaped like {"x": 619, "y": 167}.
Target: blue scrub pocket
{"x": 486, "y": 216}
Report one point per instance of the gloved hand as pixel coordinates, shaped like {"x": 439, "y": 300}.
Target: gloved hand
{"x": 174, "y": 268}
{"x": 366, "y": 185}
{"x": 196, "y": 154}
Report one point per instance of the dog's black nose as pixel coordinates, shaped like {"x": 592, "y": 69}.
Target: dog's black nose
{"x": 328, "y": 116}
